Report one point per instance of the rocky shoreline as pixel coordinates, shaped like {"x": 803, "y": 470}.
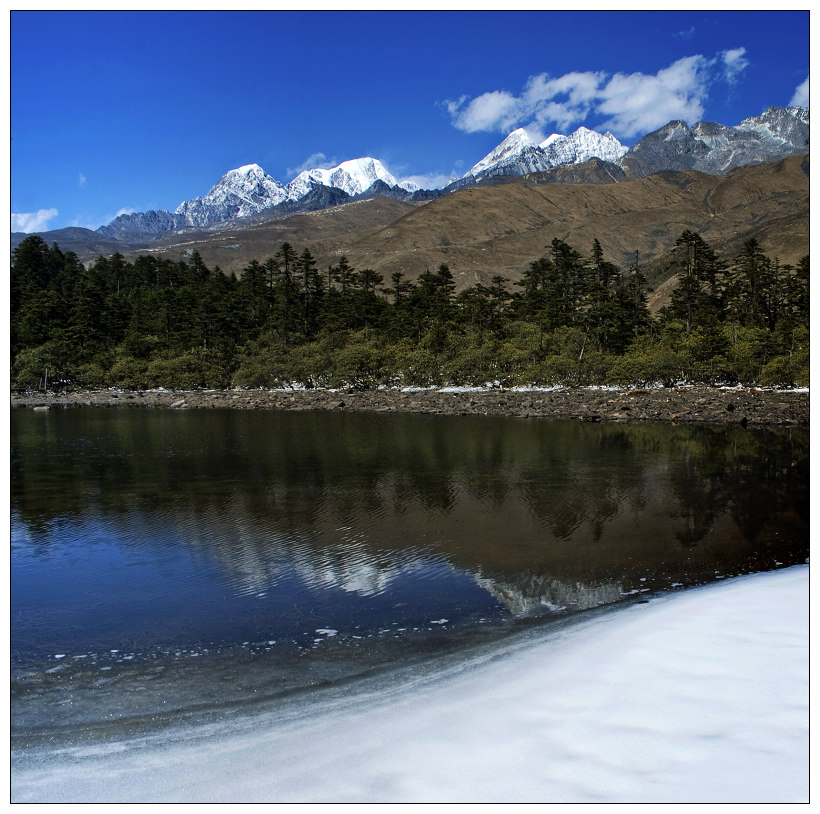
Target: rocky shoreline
{"x": 697, "y": 404}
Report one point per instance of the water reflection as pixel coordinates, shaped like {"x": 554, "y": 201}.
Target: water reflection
{"x": 536, "y": 595}
{"x": 334, "y": 517}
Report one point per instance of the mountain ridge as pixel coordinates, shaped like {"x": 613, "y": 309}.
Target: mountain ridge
{"x": 500, "y": 228}
{"x": 519, "y": 154}
{"x": 705, "y": 146}
{"x": 503, "y": 222}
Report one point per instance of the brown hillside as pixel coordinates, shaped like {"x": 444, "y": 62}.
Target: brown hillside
{"x": 483, "y": 231}
{"x": 322, "y": 232}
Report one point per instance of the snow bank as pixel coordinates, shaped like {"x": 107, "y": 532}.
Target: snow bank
{"x": 700, "y": 696}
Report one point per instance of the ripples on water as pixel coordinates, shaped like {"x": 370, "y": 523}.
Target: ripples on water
{"x": 167, "y": 563}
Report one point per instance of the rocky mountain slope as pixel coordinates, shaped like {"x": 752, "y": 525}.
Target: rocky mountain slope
{"x": 500, "y": 228}
{"x": 518, "y": 154}
{"x": 715, "y": 148}
{"x": 585, "y": 156}
{"x": 249, "y": 190}
{"x": 717, "y": 180}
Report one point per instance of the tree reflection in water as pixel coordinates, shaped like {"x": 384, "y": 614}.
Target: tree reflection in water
{"x": 165, "y": 560}
{"x": 360, "y": 496}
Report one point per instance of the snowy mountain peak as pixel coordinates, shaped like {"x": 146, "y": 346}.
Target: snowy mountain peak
{"x": 353, "y": 177}
{"x": 249, "y": 190}
{"x": 580, "y": 146}
{"x": 248, "y": 169}
{"x": 706, "y": 146}
{"x": 520, "y": 135}
{"x": 512, "y": 151}
{"x": 780, "y": 124}
{"x": 246, "y": 190}
{"x": 518, "y": 154}
{"x": 801, "y": 113}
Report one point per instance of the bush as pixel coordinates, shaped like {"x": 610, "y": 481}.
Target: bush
{"x": 786, "y": 371}
{"x": 647, "y": 366}
{"x": 362, "y": 363}
{"x": 48, "y": 362}
{"x": 129, "y": 373}
{"x": 471, "y": 366}
{"x": 557, "y": 370}
{"x": 419, "y": 367}
{"x": 189, "y": 371}
{"x": 264, "y": 364}
{"x": 92, "y": 374}
{"x": 749, "y": 352}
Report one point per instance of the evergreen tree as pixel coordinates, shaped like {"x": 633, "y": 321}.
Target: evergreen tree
{"x": 255, "y": 296}
{"x": 606, "y": 274}
{"x": 312, "y": 291}
{"x": 751, "y": 278}
{"x": 344, "y": 274}
{"x": 155, "y": 321}
{"x": 287, "y": 310}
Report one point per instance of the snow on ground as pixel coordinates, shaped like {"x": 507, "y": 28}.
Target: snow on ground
{"x": 698, "y": 696}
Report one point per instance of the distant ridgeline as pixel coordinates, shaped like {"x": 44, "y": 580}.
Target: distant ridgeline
{"x": 572, "y": 319}
{"x": 585, "y": 156}
{"x": 706, "y": 146}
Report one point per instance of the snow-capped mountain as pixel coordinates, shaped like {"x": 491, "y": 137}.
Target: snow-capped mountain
{"x": 353, "y": 177}
{"x": 519, "y": 154}
{"x": 240, "y": 192}
{"x": 715, "y": 148}
{"x": 781, "y": 126}
{"x": 582, "y": 145}
{"x": 706, "y": 147}
{"x": 249, "y": 190}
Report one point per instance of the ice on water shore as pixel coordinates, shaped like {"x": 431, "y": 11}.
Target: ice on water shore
{"x": 699, "y": 696}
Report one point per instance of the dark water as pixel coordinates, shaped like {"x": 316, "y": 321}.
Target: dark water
{"x": 168, "y": 563}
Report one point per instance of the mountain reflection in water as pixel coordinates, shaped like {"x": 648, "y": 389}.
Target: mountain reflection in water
{"x": 158, "y": 532}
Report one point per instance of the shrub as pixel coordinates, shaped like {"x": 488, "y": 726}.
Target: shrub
{"x": 49, "y": 362}
{"x": 129, "y": 373}
{"x": 196, "y": 368}
{"x": 647, "y": 366}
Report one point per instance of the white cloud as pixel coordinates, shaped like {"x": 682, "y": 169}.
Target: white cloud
{"x": 32, "y": 221}
{"x": 563, "y": 101}
{"x": 734, "y": 62}
{"x": 801, "y": 95}
{"x": 495, "y": 110}
{"x": 432, "y": 180}
{"x": 81, "y": 180}
{"x": 632, "y": 103}
{"x": 312, "y": 162}
{"x": 85, "y": 222}
{"x": 639, "y": 103}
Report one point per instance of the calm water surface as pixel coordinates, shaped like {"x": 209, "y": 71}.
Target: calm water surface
{"x": 169, "y": 564}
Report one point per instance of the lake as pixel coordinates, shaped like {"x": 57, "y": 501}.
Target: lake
{"x": 172, "y": 566}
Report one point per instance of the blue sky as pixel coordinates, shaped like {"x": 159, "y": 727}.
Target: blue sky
{"x": 130, "y": 111}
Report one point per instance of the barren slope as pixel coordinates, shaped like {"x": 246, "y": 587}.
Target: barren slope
{"x": 323, "y": 232}
{"x": 499, "y": 229}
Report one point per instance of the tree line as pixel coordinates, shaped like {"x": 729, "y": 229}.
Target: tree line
{"x": 571, "y": 319}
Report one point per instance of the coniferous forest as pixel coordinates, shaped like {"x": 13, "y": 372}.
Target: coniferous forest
{"x": 572, "y": 319}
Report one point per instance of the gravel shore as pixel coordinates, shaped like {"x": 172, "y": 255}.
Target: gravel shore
{"x": 699, "y": 404}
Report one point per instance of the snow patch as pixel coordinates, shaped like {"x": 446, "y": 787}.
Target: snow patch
{"x": 697, "y": 696}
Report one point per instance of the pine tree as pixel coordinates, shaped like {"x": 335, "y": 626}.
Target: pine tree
{"x": 312, "y": 291}
{"x": 255, "y": 294}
